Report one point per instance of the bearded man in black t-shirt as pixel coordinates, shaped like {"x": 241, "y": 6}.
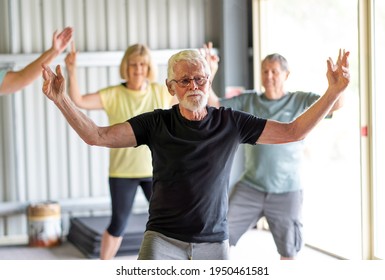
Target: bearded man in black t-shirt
{"x": 193, "y": 147}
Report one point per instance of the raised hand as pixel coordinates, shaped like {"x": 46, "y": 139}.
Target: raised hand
{"x": 60, "y": 41}
{"x": 211, "y": 57}
{"x": 54, "y": 84}
{"x": 70, "y": 59}
{"x": 338, "y": 74}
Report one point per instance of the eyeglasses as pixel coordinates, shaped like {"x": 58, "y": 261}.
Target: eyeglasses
{"x": 138, "y": 64}
{"x": 200, "y": 81}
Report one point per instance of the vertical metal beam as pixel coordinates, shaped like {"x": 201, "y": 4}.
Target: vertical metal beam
{"x": 234, "y": 44}
{"x": 257, "y": 52}
{"x": 366, "y": 47}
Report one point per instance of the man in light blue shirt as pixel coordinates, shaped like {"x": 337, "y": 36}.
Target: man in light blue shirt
{"x": 270, "y": 185}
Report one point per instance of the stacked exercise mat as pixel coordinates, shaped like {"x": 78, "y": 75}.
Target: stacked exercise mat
{"x": 86, "y": 234}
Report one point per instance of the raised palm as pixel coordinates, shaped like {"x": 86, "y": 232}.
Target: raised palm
{"x": 54, "y": 84}
{"x": 338, "y": 74}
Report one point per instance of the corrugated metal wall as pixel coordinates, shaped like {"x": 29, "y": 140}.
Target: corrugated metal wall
{"x": 41, "y": 157}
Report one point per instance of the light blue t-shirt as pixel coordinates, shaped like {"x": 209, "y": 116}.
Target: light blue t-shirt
{"x": 2, "y": 75}
{"x": 273, "y": 168}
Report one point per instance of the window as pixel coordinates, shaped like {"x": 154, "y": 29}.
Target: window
{"x": 307, "y": 32}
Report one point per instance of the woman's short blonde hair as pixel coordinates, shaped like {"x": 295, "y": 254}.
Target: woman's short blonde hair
{"x": 134, "y": 50}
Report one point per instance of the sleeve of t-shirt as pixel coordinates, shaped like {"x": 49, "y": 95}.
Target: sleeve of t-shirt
{"x": 142, "y": 125}
{"x": 250, "y": 127}
{"x": 105, "y": 98}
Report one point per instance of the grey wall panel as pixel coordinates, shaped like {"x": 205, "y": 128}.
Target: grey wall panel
{"x": 95, "y": 25}
{"x": 178, "y": 30}
{"x": 4, "y": 25}
{"x": 42, "y": 158}
{"x": 116, "y": 25}
{"x": 74, "y": 15}
{"x": 196, "y": 23}
{"x": 157, "y": 28}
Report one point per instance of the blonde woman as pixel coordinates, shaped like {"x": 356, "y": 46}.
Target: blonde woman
{"x": 129, "y": 167}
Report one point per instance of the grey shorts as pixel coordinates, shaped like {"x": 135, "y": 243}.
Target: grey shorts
{"x": 156, "y": 246}
{"x": 283, "y": 213}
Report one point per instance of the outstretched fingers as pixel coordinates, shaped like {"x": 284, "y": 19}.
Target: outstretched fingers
{"x": 61, "y": 41}
{"x": 58, "y": 72}
{"x": 211, "y": 58}
{"x": 205, "y": 51}
{"x": 343, "y": 65}
{"x": 47, "y": 77}
{"x": 330, "y": 63}
{"x": 66, "y": 34}
{"x": 346, "y": 72}
{"x": 47, "y": 73}
{"x": 73, "y": 48}
{"x": 59, "y": 81}
{"x": 54, "y": 84}
{"x": 340, "y": 54}
{"x": 70, "y": 59}
{"x": 344, "y": 68}
{"x": 345, "y": 60}
{"x": 338, "y": 74}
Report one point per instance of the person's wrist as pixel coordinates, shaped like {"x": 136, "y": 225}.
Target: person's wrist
{"x": 62, "y": 100}
{"x": 56, "y": 51}
{"x": 71, "y": 70}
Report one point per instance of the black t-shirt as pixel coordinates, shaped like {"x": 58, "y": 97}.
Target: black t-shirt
{"x": 191, "y": 167}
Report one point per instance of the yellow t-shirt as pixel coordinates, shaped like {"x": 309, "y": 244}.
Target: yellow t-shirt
{"x": 121, "y": 104}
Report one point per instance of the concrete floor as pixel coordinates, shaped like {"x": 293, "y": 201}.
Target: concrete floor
{"x": 254, "y": 245}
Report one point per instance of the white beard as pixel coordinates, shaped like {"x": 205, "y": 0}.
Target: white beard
{"x": 194, "y": 104}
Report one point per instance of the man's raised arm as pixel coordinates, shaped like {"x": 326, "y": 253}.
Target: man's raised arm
{"x": 338, "y": 77}
{"x": 116, "y": 136}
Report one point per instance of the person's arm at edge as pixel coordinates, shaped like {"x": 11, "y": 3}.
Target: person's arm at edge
{"x": 116, "y": 136}
{"x": 17, "y": 80}
{"x": 279, "y": 133}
